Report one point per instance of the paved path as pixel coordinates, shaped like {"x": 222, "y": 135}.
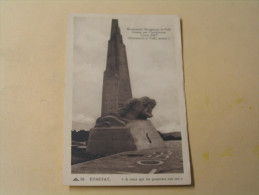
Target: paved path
{"x": 150, "y": 161}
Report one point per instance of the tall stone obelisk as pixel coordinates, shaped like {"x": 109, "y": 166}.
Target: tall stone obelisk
{"x": 116, "y": 80}
{"x": 111, "y": 136}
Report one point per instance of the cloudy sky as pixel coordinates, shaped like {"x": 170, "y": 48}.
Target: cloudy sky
{"x": 154, "y": 66}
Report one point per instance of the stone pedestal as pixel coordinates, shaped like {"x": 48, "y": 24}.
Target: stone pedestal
{"x": 145, "y": 134}
{"x": 107, "y": 141}
{"x": 136, "y": 135}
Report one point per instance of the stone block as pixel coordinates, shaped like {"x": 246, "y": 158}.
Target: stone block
{"x": 136, "y": 135}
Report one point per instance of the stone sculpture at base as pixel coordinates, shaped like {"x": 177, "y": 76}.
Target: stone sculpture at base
{"x": 125, "y": 130}
{"x": 133, "y": 109}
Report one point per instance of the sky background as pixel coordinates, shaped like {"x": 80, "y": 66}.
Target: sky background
{"x": 153, "y": 67}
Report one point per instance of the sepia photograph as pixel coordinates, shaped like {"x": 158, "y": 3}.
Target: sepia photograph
{"x": 129, "y": 97}
{"x": 125, "y": 104}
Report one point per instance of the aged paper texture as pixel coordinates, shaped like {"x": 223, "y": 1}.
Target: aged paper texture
{"x": 125, "y": 114}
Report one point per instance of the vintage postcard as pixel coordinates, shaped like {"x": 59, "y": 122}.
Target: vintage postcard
{"x": 125, "y": 114}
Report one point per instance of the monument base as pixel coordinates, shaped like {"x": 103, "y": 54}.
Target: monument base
{"x": 136, "y": 135}
{"x": 107, "y": 141}
{"x": 145, "y": 134}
